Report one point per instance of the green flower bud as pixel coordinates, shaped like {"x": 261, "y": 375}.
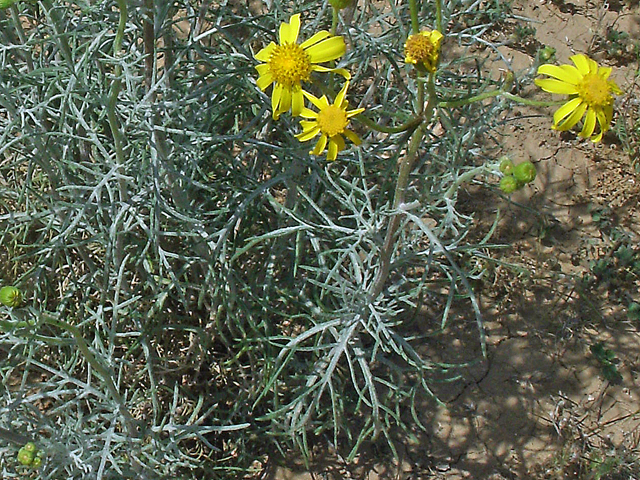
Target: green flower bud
{"x": 509, "y": 184}
{"x": 506, "y": 165}
{"x": 37, "y": 461}
{"x": 30, "y": 447}
{"x": 338, "y": 4}
{"x": 10, "y": 296}
{"x": 25, "y": 457}
{"x": 525, "y": 172}
{"x": 545, "y": 54}
{"x": 7, "y": 3}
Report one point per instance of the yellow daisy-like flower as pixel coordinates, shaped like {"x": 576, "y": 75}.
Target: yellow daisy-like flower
{"x": 330, "y": 122}
{"x": 589, "y": 90}
{"x": 288, "y": 65}
{"x": 424, "y": 48}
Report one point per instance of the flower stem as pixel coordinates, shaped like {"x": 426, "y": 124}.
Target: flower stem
{"x": 404, "y": 174}
{"x": 496, "y": 93}
{"x": 334, "y": 20}
{"x": 405, "y": 127}
{"x": 114, "y": 124}
{"x": 415, "y": 24}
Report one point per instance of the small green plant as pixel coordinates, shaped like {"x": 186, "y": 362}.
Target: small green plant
{"x": 633, "y": 312}
{"x": 618, "y": 45}
{"x": 607, "y": 361}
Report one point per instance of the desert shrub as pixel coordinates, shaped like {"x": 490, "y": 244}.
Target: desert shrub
{"x": 197, "y": 289}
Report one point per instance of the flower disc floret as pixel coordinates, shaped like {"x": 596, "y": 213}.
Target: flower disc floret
{"x": 330, "y": 122}
{"x": 288, "y": 64}
{"x": 590, "y": 95}
{"x": 424, "y": 48}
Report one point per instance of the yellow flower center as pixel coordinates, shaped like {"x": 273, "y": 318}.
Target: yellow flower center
{"x": 595, "y": 91}
{"x": 332, "y": 120}
{"x": 419, "y": 48}
{"x": 290, "y": 64}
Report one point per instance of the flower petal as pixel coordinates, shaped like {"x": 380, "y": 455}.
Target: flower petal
{"x": 334, "y": 148}
{"x": 339, "y": 141}
{"x": 285, "y": 101}
{"x": 341, "y": 94}
{"x": 340, "y": 71}
{"x": 328, "y": 49}
{"x": 589, "y": 124}
{"x": 265, "y": 79}
{"x": 289, "y": 31}
{"x": 297, "y": 102}
{"x": 322, "y": 142}
{"x": 264, "y": 54}
{"x": 567, "y": 75}
{"x": 604, "y": 126}
{"x": 355, "y": 112}
{"x": 605, "y": 72}
{"x": 614, "y": 87}
{"x": 556, "y": 86}
{"x": 316, "y": 38}
{"x": 604, "y": 118}
{"x": 308, "y": 133}
{"x": 320, "y": 103}
{"x": 582, "y": 62}
{"x": 352, "y": 136}
{"x": 308, "y": 113}
{"x": 276, "y": 96}
{"x": 565, "y": 110}
{"x": 572, "y": 119}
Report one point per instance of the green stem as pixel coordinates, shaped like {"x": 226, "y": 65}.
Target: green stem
{"x": 405, "y": 127}
{"x": 465, "y": 177}
{"x": 439, "y": 15}
{"x": 468, "y": 100}
{"x": 496, "y": 93}
{"x": 114, "y": 124}
{"x": 334, "y": 20}
{"x": 113, "y": 96}
{"x": 415, "y": 24}
{"x": 533, "y": 103}
{"x": 404, "y": 174}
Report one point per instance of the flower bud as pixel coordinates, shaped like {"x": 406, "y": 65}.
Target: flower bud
{"x": 509, "y": 184}
{"x": 506, "y": 165}
{"x": 25, "y": 457}
{"x": 10, "y": 296}
{"x": 545, "y": 54}
{"x": 525, "y": 172}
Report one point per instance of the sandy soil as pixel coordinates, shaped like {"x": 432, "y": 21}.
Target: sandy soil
{"x": 540, "y": 401}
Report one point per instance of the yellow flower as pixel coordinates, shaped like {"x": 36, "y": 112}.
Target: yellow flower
{"x": 330, "y": 122}
{"x": 589, "y": 90}
{"x": 288, "y": 65}
{"x": 424, "y": 48}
